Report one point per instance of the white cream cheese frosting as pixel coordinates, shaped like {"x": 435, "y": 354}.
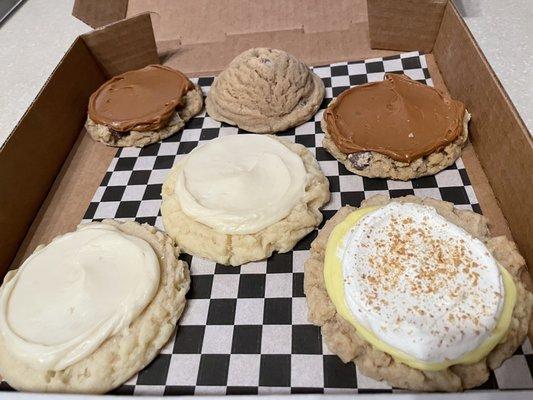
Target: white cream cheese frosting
{"x": 70, "y": 296}
{"x": 420, "y": 283}
{"x": 240, "y": 184}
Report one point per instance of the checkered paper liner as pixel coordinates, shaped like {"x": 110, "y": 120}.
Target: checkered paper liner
{"x": 245, "y": 329}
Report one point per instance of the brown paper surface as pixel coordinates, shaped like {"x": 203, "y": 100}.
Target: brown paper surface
{"x": 97, "y": 13}
{"x": 313, "y": 48}
{"x": 404, "y": 25}
{"x": 484, "y": 193}
{"x": 207, "y": 21}
{"x": 312, "y": 30}
{"x": 124, "y": 45}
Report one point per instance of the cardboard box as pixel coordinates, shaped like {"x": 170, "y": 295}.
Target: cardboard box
{"x": 50, "y": 169}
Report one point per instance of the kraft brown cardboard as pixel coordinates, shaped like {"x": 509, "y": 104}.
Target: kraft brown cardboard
{"x": 313, "y": 48}
{"x": 201, "y": 37}
{"x": 484, "y": 193}
{"x": 97, "y": 13}
{"x": 187, "y": 20}
{"x": 406, "y": 24}
{"x": 125, "y": 46}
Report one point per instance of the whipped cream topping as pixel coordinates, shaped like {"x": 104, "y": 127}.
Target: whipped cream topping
{"x": 240, "y": 184}
{"x": 420, "y": 283}
{"x": 70, "y": 296}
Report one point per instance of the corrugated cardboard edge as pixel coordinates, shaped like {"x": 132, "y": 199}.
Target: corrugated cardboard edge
{"x": 404, "y": 25}
{"x": 97, "y": 13}
{"x": 71, "y": 192}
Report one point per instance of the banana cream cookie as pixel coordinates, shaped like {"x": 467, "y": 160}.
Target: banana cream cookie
{"x": 265, "y": 91}
{"x": 397, "y": 129}
{"x": 417, "y": 293}
{"x": 141, "y": 107}
{"x": 239, "y": 198}
{"x": 86, "y": 312}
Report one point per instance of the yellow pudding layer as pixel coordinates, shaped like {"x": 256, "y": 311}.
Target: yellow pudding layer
{"x": 334, "y": 280}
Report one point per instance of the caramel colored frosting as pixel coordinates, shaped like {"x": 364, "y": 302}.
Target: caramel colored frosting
{"x": 398, "y": 117}
{"x": 140, "y": 100}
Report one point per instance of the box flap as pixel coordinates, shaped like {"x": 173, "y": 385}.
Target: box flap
{"x": 97, "y": 13}
{"x": 124, "y": 45}
{"x": 404, "y": 25}
{"x": 205, "y": 21}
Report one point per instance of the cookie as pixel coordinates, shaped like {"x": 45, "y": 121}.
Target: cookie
{"x": 263, "y": 195}
{"x": 164, "y": 99}
{"x": 265, "y": 91}
{"x": 71, "y": 367}
{"x": 396, "y": 129}
{"x": 352, "y": 344}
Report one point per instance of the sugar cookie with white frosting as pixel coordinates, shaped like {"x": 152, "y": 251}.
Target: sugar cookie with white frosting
{"x": 89, "y": 310}
{"x": 417, "y": 293}
{"x": 239, "y": 198}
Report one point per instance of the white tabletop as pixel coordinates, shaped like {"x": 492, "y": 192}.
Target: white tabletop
{"x": 37, "y": 35}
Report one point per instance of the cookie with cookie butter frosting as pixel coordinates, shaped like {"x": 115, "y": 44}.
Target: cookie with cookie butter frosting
{"x": 143, "y": 106}
{"x": 239, "y": 198}
{"x": 417, "y": 293}
{"x": 397, "y": 128}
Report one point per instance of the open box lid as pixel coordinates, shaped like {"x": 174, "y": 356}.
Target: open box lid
{"x": 202, "y": 36}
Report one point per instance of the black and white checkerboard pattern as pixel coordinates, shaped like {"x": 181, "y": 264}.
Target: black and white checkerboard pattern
{"x": 245, "y": 329}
